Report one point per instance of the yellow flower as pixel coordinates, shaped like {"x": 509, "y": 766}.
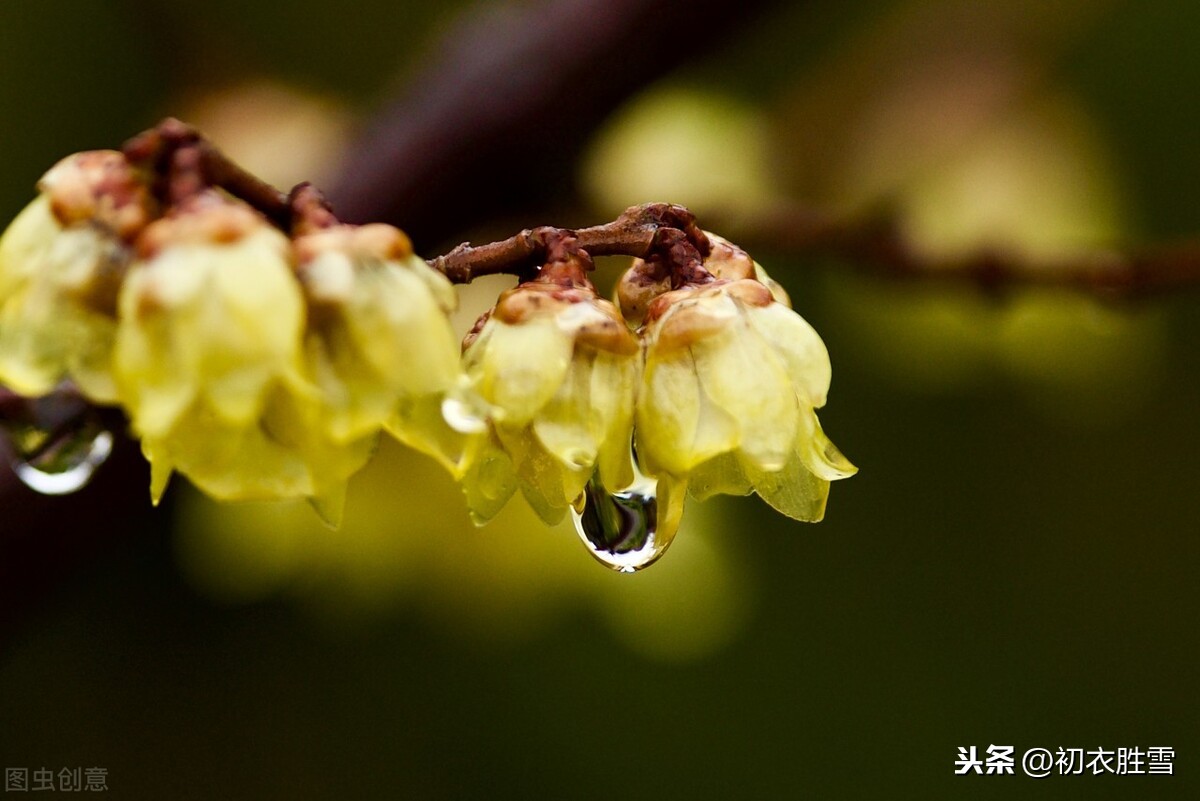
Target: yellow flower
{"x": 208, "y": 360}
{"x": 61, "y": 262}
{"x": 379, "y": 344}
{"x": 731, "y": 382}
{"x": 557, "y": 368}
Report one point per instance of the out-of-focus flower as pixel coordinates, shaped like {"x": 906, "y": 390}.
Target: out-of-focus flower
{"x": 208, "y": 360}
{"x": 61, "y": 263}
{"x": 283, "y": 133}
{"x": 558, "y": 368}
{"x": 707, "y": 150}
{"x": 406, "y": 547}
{"x": 379, "y": 345}
{"x": 731, "y": 381}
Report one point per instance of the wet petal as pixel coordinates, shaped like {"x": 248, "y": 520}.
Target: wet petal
{"x": 522, "y": 366}
{"x": 489, "y": 479}
{"x": 548, "y": 485}
{"x": 818, "y": 454}
{"x": 564, "y": 425}
{"x": 614, "y": 387}
{"x": 721, "y": 475}
{"x": 800, "y": 347}
{"x": 794, "y": 490}
{"x": 743, "y": 375}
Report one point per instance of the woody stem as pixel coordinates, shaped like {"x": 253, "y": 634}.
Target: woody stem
{"x": 653, "y": 231}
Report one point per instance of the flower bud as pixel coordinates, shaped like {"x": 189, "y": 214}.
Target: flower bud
{"x": 208, "y": 359}
{"x": 379, "y": 343}
{"x": 61, "y": 263}
{"x": 557, "y": 367}
{"x": 727, "y": 399}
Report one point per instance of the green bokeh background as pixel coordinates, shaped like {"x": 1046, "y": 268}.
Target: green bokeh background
{"x": 995, "y": 574}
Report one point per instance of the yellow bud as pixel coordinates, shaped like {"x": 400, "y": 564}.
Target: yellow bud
{"x": 209, "y": 360}
{"x": 727, "y": 399}
{"x": 557, "y": 369}
{"x": 213, "y": 314}
{"x": 61, "y": 262}
{"x": 378, "y": 343}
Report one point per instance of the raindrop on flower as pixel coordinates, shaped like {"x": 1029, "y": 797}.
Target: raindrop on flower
{"x": 58, "y": 447}
{"x": 464, "y": 416}
{"x": 621, "y": 529}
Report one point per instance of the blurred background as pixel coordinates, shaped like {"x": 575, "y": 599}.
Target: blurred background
{"x": 1015, "y": 563}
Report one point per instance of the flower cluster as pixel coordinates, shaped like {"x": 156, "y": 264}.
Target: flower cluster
{"x": 259, "y": 365}
{"x": 263, "y": 357}
{"x": 712, "y": 381}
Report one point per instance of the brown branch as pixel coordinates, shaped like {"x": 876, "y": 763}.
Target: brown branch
{"x": 655, "y": 229}
{"x": 879, "y": 246}
{"x": 186, "y": 161}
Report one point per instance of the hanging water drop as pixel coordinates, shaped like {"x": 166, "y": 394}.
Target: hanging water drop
{"x": 68, "y": 466}
{"x": 58, "y": 444}
{"x": 626, "y": 530}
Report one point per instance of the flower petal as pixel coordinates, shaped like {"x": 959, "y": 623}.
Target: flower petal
{"x": 489, "y": 479}
{"x": 519, "y": 367}
{"x": 613, "y": 390}
{"x": 721, "y": 475}
{"x": 678, "y": 426}
{"x": 800, "y": 347}
{"x": 564, "y": 425}
{"x": 794, "y": 490}
{"x": 744, "y": 376}
{"x": 820, "y": 455}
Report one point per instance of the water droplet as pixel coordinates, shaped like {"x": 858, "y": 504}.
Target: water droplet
{"x": 59, "y": 445}
{"x": 68, "y": 463}
{"x": 626, "y": 530}
{"x": 463, "y": 416}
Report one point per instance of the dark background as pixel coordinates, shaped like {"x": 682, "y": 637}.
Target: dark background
{"x": 1015, "y": 564}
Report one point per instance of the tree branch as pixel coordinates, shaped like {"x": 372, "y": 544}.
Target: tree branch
{"x": 654, "y": 229}
{"x": 492, "y": 125}
{"x": 879, "y": 246}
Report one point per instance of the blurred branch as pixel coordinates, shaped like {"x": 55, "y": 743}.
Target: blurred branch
{"x": 492, "y": 124}
{"x": 878, "y": 245}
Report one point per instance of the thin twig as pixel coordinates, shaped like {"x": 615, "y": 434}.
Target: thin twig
{"x": 641, "y": 231}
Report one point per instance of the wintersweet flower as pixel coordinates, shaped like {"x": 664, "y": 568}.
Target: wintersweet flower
{"x": 378, "y": 344}
{"x": 208, "y": 360}
{"x": 61, "y": 263}
{"x": 557, "y": 368}
{"x": 728, "y": 396}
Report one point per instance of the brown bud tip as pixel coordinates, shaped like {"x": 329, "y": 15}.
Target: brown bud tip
{"x": 606, "y": 330}
{"x": 206, "y": 218}
{"x": 535, "y": 298}
{"x": 99, "y": 186}
{"x": 476, "y": 329}
{"x": 638, "y": 287}
{"x": 727, "y": 260}
{"x": 374, "y": 241}
{"x": 699, "y": 312}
